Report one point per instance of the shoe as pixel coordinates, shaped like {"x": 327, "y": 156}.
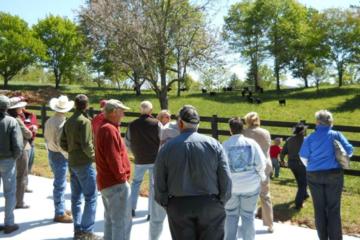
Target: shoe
{"x": 2, "y": 227}
{"x": 68, "y": 212}
{"x": 90, "y": 236}
{"x": 133, "y": 212}
{"x": 27, "y": 190}
{"x": 63, "y": 219}
{"x": 10, "y": 228}
{"x": 78, "y": 235}
{"x": 148, "y": 218}
{"x": 22, "y": 206}
{"x": 270, "y": 229}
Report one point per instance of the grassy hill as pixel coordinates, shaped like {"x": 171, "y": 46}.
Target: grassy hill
{"x": 343, "y": 102}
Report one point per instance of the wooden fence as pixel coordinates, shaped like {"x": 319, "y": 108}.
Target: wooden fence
{"x": 216, "y": 132}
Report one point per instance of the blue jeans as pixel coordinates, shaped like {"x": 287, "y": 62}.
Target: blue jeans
{"x": 83, "y": 183}
{"x": 244, "y": 206}
{"x": 8, "y": 177}
{"x": 326, "y": 189}
{"x": 59, "y": 165}
{"x": 117, "y": 215}
{"x": 276, "y": 166}
{"x": 31, "y": 157}
{"x": 140, "y": 170}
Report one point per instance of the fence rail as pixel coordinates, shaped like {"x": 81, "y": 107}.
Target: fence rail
{"x": 214, "y": 130}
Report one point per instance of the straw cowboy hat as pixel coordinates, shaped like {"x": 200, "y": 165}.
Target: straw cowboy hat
{"x": 61, "y": 104}
{"x": 17, "y": 102}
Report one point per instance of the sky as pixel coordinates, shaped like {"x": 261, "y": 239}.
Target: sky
{"x": 33, "y": 10}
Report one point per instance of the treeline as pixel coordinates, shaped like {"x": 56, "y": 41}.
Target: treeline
{"x": 158, "y": 42}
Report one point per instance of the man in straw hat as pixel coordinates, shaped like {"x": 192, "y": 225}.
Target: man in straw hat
{"x": 113, "y": 173}
{"x": 77, "y": 140}
{"x": 11, "y": 147}
{"x": 58, "y": 157}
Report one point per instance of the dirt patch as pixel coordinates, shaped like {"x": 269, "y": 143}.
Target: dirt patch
{"x": 40, "y": 96}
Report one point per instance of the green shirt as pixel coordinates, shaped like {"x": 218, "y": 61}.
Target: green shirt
{"x": 77, "y": 140}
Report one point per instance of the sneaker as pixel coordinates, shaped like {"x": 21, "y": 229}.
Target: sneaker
{"x": 22, "y": 206}
{"x": 90, "y": 236}
{"x": 78, "y": 235}
{"x": 10, "y": 228}
{"x": 2, "y": 227}
{"x": 133, "y": 212}
{"x": 68, "y": 212}
{"x": 27, "y": 190}
{"x": 270, "y": 229}
{"x": 63, "y": 219}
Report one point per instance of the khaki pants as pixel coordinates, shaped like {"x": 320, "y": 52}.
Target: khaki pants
{"x": 266, "y": 204}
{"x": 21, "y": 176}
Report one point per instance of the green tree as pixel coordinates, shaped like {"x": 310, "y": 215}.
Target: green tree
{"x": 243, "y": 30}
{"x": 343, "y": 38}
{"x": 18, "y": 46}
{"x": 64, "y": 45}
{"x": 235, "y": 82}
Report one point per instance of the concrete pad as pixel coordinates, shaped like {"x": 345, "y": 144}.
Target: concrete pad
{"x": 36, "y": 223}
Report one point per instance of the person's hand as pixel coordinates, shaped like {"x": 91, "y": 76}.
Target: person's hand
{"x": 33, "y": 128}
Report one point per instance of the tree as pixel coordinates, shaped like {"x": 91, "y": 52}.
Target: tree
{"x": 243, "y": 30}
{"x": 310, "y": 50}
{"x": 64, "y": 45}
{"x": 343, "y": 38}
{"x": 18, "y": 46}
{"x": 235, "y": 82}
{"x": 144, "y": 36}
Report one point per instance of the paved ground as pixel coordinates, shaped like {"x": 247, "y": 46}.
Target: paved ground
{"x": 36, "y": 223}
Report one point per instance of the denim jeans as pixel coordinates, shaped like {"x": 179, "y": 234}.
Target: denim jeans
{"x": 117, "y": 215}
{"x": 158, "y": 215}
{"x": 8, "y": 177}
{"x": 326, "y": 188}
{"x": 59, "y": 165}
{"x": 139, "y": 172}
{"x": 276, "y": 166}
{"x": 241, "y": 205}
{"x": 83, "y": 183}
{"x": 31, "y": 156}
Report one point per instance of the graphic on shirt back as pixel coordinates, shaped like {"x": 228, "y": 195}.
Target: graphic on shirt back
{"x": 239, "y": 158}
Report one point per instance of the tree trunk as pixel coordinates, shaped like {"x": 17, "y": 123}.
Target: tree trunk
{"x": 6, "y": 82}
{"x": 306, "y": 82}
{"x": 277, "y": 75}
{"x": 163, "y": 99}
{"x": 57, "y": 78}
{"x": 256, "y": 74}
{"x": 137, "y": 84}
{"x": 340, "y": 73}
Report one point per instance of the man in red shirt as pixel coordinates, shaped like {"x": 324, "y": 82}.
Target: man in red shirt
{"x": 275, "y": 150}
{"x": 113, "y": 173}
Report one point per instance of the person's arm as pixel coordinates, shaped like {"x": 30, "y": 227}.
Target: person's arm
{"x": 128, "y": 138}
{"x": 27, "y": 134}
{"x": 86, "y": 139}
{"x": 160, "y": 179}
{"x": 284, "y": 152}
{"x": 16, "y": 140}
{"x": 260, "y": 161}
{"x": 305, "y": 151}
{"x": 63, "y": 141}
{"x": 345, "y": 143}
{"x": 223, "y": 174}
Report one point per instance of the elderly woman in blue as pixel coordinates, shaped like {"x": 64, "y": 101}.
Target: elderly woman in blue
{"x": 324, "y": 175}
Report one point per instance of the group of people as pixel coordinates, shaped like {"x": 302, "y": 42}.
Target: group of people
{"x": 203, "y": 186}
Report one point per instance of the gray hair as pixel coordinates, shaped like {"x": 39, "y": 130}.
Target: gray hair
{"x": 112, "y": 105}
{"x": 191, "y": 126}
{"x": 324, "y": 117}
{"x": 4, "y": 103}
{"x": 146, "y": 107}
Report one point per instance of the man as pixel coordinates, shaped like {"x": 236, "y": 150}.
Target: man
{"x": 192, "y": 181}
{"x": 247, "y": 165}
{"x": 113, "y": 173}
{"x": 76, "y": 139}
{"x": 142, "y": 138}
{"x": 11, "y": 147}
{"x": 57, "y": 157}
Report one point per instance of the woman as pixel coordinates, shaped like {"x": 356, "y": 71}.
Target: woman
{"x": 324, "y": 175}
{"x": 15, "y": 109}
{"x": 291, "y": 148}
{"x": 262, "y": 137}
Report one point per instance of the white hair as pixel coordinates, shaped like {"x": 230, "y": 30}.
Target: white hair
{"x": 146, "y": 107}
{"x": 324, "y": 117}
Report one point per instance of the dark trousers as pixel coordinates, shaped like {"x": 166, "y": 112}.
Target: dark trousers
{"x": 200, "y": 218}
{"x": 326, "y": 188}
{"x": 299, "y": 172}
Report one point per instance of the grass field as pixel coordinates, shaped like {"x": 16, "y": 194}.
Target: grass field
{"x": 301, "y": 105}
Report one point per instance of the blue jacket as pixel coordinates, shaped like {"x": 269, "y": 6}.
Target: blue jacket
{"x": 318, "y": 149}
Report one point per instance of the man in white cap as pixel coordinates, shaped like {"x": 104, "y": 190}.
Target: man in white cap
{"x": 11, "y": 147}
{"x": 113, "y": 173}
{"x": 142, "y": 137}
{"x": 58, "y": 157}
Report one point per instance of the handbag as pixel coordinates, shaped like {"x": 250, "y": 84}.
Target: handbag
{"x": 341, "y": 156}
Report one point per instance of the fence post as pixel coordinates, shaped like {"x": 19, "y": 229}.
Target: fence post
{"x": 43, "y": 117}
{"x": 214, "y": 127}
{"x": 91, "y": 112}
